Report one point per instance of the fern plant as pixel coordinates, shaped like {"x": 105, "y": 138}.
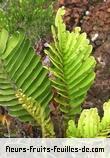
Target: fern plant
{"x": 21, "y": 70}
{"x": 26, "y": 89}
{"x": 90, "y": 125}
{"x": 71, "y": 65}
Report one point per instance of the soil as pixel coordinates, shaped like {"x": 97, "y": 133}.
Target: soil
{"x": 16, "y": 129}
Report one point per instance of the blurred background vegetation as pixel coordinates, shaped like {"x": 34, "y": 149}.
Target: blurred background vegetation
{"x": 34, "y": 17}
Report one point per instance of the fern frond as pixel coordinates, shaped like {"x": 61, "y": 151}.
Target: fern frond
{"x": 72, "y": 65}
{"x": 105, "y": 122}
{"x": 21, "y": 68}
{"x": 90, "y": 125}
{"x": 38, "y": 113}
{"x": 106, "y": 118}
{"x": 72, "y": 129}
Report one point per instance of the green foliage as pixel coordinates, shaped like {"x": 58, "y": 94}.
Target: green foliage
{"x": 90, "y": 125}
{"x": 32, "y": 16}
{"x": 20, "y": 68}
{"x": 71, "y": 65}
{"x": 38, "y": 113}
{"x": 26, "y": 90}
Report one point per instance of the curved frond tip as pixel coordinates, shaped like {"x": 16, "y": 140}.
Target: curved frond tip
{"x": 90, "y": 125}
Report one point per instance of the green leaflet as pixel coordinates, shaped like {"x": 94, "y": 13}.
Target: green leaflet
{"x": 105, "y": 122}
{"x": 72, "y": 65}
{"x": 72, "y": 130}
{"x": 90, "y": 125}
{"x": 3, "y": 39}
{"x": 20, "y": 68}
